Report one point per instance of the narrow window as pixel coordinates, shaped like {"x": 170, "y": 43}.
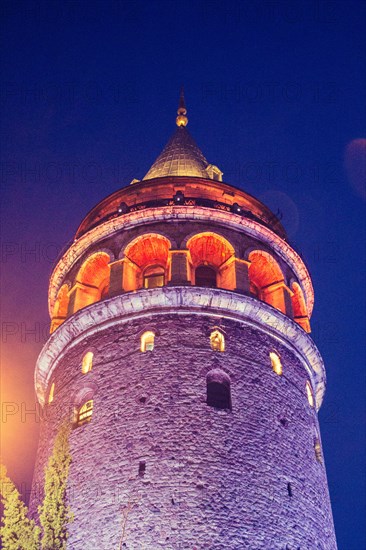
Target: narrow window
{"x": 276, "y": 362}
{"x": 142, "y": 468}
{"x": 52, "y": 393}
{"x": 217, "y": 341}
{"x": 218, "y": 390}
{"x": 318, "y": 450}
{"x": 85, "y": 413}
{"x": 309, "y": 394}
{"x": 154, "y": 276}
{"x": 87, "y": 362}
{"x": 205, "y": 276}
{"x": 289, "y": 489}
{"x": 147, "y": 341}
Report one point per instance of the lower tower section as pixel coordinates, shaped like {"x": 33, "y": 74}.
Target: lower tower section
{"x": 199, "y": 428}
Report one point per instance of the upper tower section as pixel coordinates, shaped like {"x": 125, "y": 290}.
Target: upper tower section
{"x": 183, "y": 227}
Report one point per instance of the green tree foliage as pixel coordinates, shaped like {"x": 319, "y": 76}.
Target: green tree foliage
{"x": 54, "y": 514}
{"x": 18, "y": 532}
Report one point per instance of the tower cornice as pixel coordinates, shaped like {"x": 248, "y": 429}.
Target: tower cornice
{"x": 164, "y": 188}
{"x": 179, "y": 300}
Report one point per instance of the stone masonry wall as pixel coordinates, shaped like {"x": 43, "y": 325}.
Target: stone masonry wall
{"x": 214, "y": 479}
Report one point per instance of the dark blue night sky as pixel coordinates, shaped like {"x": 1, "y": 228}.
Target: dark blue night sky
{"x": 275, "y": 92}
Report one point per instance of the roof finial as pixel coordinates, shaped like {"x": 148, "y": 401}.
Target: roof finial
{"x": 181, "y": 119}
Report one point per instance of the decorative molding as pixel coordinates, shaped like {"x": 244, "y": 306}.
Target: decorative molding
{"x": 179, "y": 300}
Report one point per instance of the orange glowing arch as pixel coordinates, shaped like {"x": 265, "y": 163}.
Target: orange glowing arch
{"x": 146, "y": 262}
{"x": 92, "y": 281}
{"x": 211, "y": 257}
{"x": 60, "y": 309}
{"x": 266, "y": 279}
{"x": 299, "y": 307}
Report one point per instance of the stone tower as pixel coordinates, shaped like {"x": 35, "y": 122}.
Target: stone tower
{"x": 180, "y": 351}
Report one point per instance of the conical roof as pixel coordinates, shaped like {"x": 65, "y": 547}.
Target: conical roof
{"x": 181, "y": 156}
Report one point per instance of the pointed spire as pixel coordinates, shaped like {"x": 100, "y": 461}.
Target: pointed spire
{"x": 181, "y": 119}
{"x": 181, "y": 156}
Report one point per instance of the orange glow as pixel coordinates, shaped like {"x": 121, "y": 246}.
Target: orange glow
{"x": 276, "y": 363}
{"x": 299, "y": 307}
{"x": 87, "y": 362}
{"x": 210, "y": 249}
{"x": 155, "y": 215}
{"x": 266, "y": 279}
{"x": 144, "y": 255}
{"x": 92, "y": 281}
{"x": 61, "y": 308}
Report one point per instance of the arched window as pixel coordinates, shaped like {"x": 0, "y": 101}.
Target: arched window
{"x": 85, "y": 413}
{"x": 146, "y": 262}
{"x": 87, "y": 362}
{"x": 276, "y": 362}
{"x": 309, "y": 394}
{"x": 299, "y": 307}
{"x": 266, "y": 279}
{"x": 212, "y": 261}
{"x": 206, "y": 276}
{"x": 218, "y": 389}
{"x": 52, "y": 393}
{"x": 217, "y": 341}
{"x": 147, "y": 341}
{"x": 154, "y": 276}
{"x": 92, "y": 281}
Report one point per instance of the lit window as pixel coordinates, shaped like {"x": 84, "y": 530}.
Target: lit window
{"x": 309, "y": 394}
{"x": 318, "y": 450}
{"x": 217, "y": 341}
{"x": 154, "y": 276}
{"x": 51, "y": 394}
{"x": 218, "y": 389}
{"x": 147, "y": 341}
{"x": 85, "y": 413}
{"x": 205, "y": 276}
{"x": 87, "y": 363}
{"x": 276, "y": 362}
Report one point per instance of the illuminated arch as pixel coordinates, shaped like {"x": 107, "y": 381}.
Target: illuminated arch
{"x": 51, "y": 395}
{"x": 60, "y": 309}
{"x": 84, "y": 413}
{"x": 217, "y": 340}
{"x": 147, "y": 341}
{"x": 83, "y": 406}
{"x": 87, "y": 362}
{"x": 215, "y": 254}
{"x": 276, "y": 362}
{"x": 266, "y": 279}
{"x": 146, "y": 262}
{"x": 309, "y": 393}
{"x": 299, "y": 307}
{"x": 92, "y": 281}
